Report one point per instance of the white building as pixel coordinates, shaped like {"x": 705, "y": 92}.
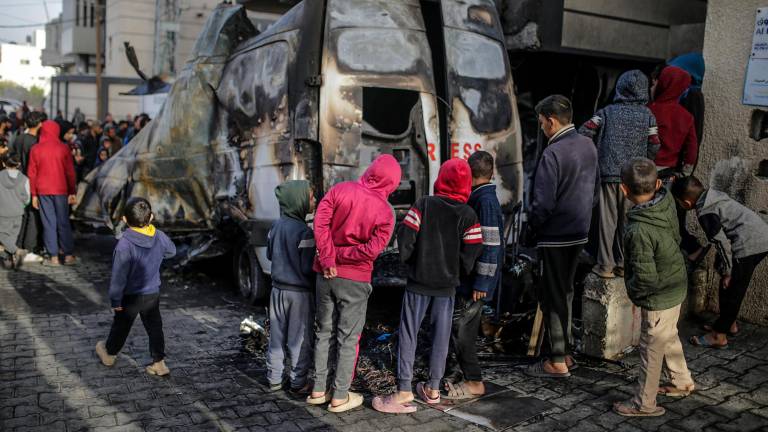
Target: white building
{"x": 22, "y": 63}
{"x": 162, "y": 33}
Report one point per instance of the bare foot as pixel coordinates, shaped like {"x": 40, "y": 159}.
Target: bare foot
{"x": 404, "y": 397}
{"x": 476, "y": 387}
{"x": 316, "y": 395}
{"x": 337, "y": 402}
{"x": 552, "y": 367}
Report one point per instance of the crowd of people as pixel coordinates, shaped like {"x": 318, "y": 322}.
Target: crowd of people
{"x": 41, "y": 162}
{"x": 633, "y": 160}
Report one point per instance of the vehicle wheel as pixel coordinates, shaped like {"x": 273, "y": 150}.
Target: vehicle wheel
{"x": 252, "y": 283}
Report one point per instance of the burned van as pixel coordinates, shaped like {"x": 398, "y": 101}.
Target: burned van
{"x": 317, "y": 96}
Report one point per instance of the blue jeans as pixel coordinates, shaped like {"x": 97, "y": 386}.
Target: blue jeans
{"x": 440, "y": 319}
{"x": 57, "y": 232}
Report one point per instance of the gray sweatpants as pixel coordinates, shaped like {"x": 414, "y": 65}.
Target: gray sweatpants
{"x": 9, "y": 233}
{"x": 411, "y": 315}
{"x": 291, "y": 314}
{"x": 341, "y": 307}
{"x": 613, "y": 207}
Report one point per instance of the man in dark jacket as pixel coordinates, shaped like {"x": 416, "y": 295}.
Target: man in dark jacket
{"x": 291, "y": 248}
{"x": 564, "y": 193}
{"x": 439, "y": 239}
{"x": 479, "y": 286}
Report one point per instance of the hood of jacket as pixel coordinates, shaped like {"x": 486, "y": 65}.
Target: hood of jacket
{"x": 454, "y": 180}
{"x": 293, "y": 197}
{"x": 656, "y": 212}
{"x": 673, "y": 82}
{"x": 382, "y": 176}
{"x": 139, "y": 239}
{"x": 632, "y": 87}
{"x": 49, "y": 133}
{"x": 693, "y": 63}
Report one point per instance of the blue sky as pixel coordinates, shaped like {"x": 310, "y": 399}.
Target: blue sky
{"x": 24, "y": 12}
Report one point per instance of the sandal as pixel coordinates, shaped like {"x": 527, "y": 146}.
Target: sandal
{"x": 319, "y": 400}
{"x": 708, "y": 327}
{"x": 703, "y": 342}
{"x": 670, "y": 390}
{"x": 458, "y": 392}
{"x": 627, "y": 409}
{"x": 390, "y": 405}
{"x": 421, "y": 390}
{"x": 537, "y": 370}
{"x": 354, "y": 400}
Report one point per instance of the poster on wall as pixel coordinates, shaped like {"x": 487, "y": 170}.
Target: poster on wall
{"x": 756, "y": 80}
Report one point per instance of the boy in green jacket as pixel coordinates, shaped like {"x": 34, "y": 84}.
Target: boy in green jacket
{"x": 656, "y": 280}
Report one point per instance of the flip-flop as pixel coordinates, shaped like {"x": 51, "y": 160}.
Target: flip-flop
{"x": 422, "y": 392}
{"x": 319, "y": 400}
{"x": 708, "y": 327}
{"x": 574, "y": 364}
{"x": 458, "y": 392}
{"x": 389, "y": 405}
{"x": 537, "y": 370}
{"x": 354, "y": 400}
{"x": 627, "y": 410}
{"x": 703, "y": 342}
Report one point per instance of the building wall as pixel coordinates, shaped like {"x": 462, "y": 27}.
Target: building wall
{"x": 22, "y": 64}
{"x": 133, "y": 22}
{"x": 729, "y": 158}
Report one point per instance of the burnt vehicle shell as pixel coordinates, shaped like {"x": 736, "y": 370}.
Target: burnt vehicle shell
{"x": 317, "y": 96}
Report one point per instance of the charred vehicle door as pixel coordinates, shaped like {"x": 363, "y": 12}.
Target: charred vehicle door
{"x": 483, "y": 109}
{"x": 378, "y": 94}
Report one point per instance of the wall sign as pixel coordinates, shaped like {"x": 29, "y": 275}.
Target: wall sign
{"x": 756, "y": 80}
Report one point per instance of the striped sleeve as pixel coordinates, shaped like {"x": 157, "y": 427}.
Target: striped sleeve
{"x": 654, "y": 143}
{"x": 413, "y": 219}
{"x": 590, "y": 127}
{"x": 473, "y": 234}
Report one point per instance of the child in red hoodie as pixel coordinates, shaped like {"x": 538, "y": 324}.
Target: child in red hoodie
{"x": 679, "y": 147}
{"x": 439, "y": 239}
{"x": 353, "y": 224}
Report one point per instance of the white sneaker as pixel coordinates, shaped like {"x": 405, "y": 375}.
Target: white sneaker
{"x": 33, "y": 258}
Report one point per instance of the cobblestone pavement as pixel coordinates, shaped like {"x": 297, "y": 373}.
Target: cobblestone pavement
{"x": 50, "y": 320}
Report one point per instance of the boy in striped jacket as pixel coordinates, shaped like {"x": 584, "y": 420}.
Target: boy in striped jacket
{"x": 439, "y": 240}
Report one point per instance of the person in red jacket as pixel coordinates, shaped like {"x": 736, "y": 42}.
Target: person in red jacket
{"x": 679, "y": 146}
{"x": 52, "y": 185}
{"x": 677, "y": 133}
{"x": 353, "y": 224}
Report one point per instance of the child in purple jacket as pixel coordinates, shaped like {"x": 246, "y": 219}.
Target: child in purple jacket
{"x": 135, "y": 285}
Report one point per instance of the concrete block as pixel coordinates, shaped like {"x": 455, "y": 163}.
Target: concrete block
{"x": 611, "y": 322}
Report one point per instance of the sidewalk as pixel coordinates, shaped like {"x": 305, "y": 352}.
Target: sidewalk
{"x": 50, "y": 319}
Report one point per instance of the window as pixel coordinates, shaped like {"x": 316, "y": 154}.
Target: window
{"x": 77, "y": 12}
{"x": 24, "y": 61}
{"x": 85, "y": 13}
{"x": 92, "y": 14}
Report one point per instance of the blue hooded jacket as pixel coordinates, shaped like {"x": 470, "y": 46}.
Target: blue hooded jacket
{"x": 487, "y": 272}
{"x": 136, "y": 264}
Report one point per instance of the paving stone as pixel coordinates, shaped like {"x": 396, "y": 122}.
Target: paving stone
{"x": 697, "y": 422}
{"x": 746, "y": 422}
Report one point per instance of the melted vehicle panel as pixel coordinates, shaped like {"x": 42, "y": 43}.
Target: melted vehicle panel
{"x": 179, "y": 161}
{"x": 318, "y": 96}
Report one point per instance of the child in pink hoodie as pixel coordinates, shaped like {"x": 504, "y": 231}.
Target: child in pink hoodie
{"x": 353, "y": 224}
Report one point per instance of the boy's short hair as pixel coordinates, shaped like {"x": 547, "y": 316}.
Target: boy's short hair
{"x": 687, "y": 188}
{"x": 557, "y": 106}
{"x": 12, "y": 162}
{"x": 640, "y": 175}
{"x": 137, "y": 212}
{"x": 481, "y": 164}
{"x": 34, "y": 119}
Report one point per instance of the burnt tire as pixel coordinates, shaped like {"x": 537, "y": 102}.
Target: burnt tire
{"x": 250, "y": 281}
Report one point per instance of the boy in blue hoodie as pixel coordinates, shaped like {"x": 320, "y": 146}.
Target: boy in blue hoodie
{"x": 135, "y": 285}
{"x": 291, "y": 248}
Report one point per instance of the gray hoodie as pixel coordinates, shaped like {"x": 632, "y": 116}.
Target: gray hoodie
{"x": 625, "y": 129}
{"x": 735, "y": 230}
